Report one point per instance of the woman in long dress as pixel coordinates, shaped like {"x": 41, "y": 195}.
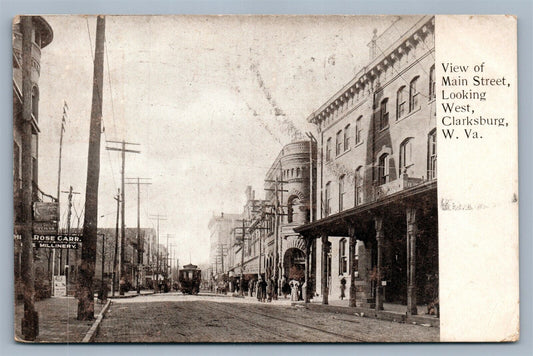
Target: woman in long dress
{"x": 294, "y": 290}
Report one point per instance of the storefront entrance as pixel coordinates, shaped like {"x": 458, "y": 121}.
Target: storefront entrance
{"x": 294, "y": 264}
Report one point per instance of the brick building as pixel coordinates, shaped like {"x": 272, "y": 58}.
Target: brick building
{"x": 42, "y": 36}
{"x": 376, "y": 227}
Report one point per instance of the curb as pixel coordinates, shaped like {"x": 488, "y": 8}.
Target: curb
{"x": 129, "y": 295}
{"x": 91, "y": 334}
{"x": 372, "y": 313}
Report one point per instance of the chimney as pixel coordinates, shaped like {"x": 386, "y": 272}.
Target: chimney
{"x": 248, "y": 192}
{"x": 373, "y": 46}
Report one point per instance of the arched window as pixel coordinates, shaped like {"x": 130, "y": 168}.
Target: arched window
{"x": 342, "y": 191}
{"x": 432, "y": 154}
{"x": 383, "y": 169}
{"x": 359, "y": 130}
{"x": 400, "y": 102}
{"x": 413, "y": 95}
{"x": 383, "y": 114}
{"x": 406, "y": 155}
{"x": 359, "y": 185}
{"x": 343, "y": 257}
{"x": 292, "y": 172}
{"x": 298, "y": 172}
{"x": 290, "y": 210}
{"x": 327, "y": 206}
{"x": 347, "y": 137}
{"x": 432, "y": 93}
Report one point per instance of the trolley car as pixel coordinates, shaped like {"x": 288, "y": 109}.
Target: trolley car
{"x": 189, "y": 278}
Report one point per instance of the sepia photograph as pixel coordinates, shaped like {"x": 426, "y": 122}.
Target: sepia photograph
{"x": 225, "y": 179}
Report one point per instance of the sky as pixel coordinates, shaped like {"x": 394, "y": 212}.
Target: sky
{"x": 211, "y": 101}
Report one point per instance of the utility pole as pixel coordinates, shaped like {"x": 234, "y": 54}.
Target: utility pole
{"x": 242, "y": 243}
{"x": 63, "y": 123}
{"x": 70, "y": 192}
{"x": 159, "y": 218}
{"x": 140, "y": 242}
{"x": 277, "y": 215}
{"x": 90, "y": 222}
{"x": 167, "y": 259}
{"x": 312, "y": 143}
{"x": 117, "y": 198}
{"x": 103, "y": 290}
{"x": 30, "y": 321}
{"x": 123, "y": 151}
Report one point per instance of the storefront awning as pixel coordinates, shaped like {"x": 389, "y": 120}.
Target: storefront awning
{"x": 337, "y": 224}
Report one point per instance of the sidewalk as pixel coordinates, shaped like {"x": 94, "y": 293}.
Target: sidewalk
{"x": 57, "y": 320}
{"x": 391, "y": 312}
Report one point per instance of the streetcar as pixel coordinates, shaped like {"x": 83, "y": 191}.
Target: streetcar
{"x": 190, "y": 277}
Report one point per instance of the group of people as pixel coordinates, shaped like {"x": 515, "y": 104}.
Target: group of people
{"x": 262, "y": 289}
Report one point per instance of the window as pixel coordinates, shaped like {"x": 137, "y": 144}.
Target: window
{"x": 413, "y": 95}
{"x": 343, "y": 258}
{"x": 359, "y": 130}
{"x": 406, "y": 155}
{"x": 338, "y": 147}
{"x": 35, "y": 102}
{"x": 17, "y": 181}
{"x": 432, "y": 154}
{"x": 383, "y": 114}
{"x": 359, "y": 185}
{"x": 293, "y": 201}
{"x": 383, "y": 169}
{"x": 356, "y": 260}
{"x": 400, "y": 102}
{"x": 342, "y": 192}
{"x": 432, "y": 93}
{"x": 328, "y": 149}
{"x": 298, "y": 172}
{"x": 347, "y": 137}
{"x": 327, "y": 206}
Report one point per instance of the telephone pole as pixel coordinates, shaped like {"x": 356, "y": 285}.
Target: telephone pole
{"x": 63, "y": 123}
{"x": 140, "y": 242}
{"x": 30, "y": 321}
{"x": 277, "y": 214}
{"x": 241, "y": 242}
{"x": 123, "y": 151}
{"x": 90, "y": 222}
{"x": 117, "y": 198}
{"x": 70, "y": 192}
{"x": 159, "y": 218}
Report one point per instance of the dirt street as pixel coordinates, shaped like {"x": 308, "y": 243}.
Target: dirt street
{"x": 178, "y": 318}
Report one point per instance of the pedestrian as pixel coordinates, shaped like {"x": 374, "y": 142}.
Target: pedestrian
{"x": 285, "y": 287}
{"x": 263, "y": 291}
{"x": 343, "y": 287}
{"x": 269, "y": 289}
{"x": 251, "y": 288}
{"x": 294, "y": 284}
{"x": 258, "y": 288}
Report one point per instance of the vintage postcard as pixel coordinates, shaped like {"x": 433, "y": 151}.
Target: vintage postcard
{"x": 265, "y": 179}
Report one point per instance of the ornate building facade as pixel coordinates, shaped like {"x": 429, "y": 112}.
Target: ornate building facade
{"x": 377, "y": 230}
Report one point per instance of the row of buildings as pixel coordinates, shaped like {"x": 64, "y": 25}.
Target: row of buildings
{"x": 50, "y": 264}
{"x": 357, "y": 205}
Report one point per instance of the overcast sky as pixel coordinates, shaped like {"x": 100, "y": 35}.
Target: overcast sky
{"x": 211, "y": 101}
